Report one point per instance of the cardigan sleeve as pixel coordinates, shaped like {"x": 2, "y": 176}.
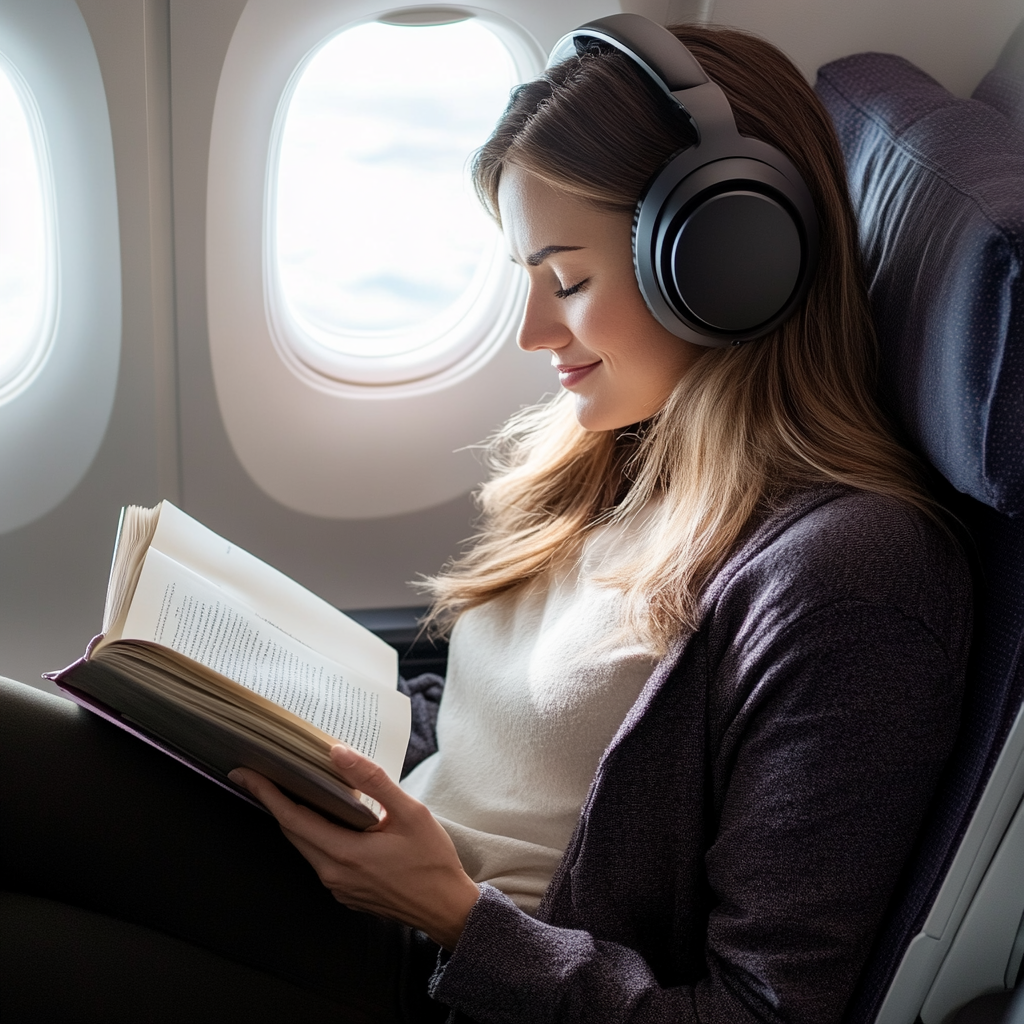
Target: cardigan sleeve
{"x": 511, "y": 967}
{"x": 424, "y": 693}
{"x": 838, "y": 723}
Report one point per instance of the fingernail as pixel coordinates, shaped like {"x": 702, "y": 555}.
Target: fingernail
{"x": 236, "y": 777}
{"x": 343, "y": 750}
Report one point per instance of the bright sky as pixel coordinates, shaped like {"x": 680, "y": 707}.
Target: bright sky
{"x": 23, "y": 234}
{"x": 378, "y": 227}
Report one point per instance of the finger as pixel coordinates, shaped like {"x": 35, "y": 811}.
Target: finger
{"x": 347, "y": 880}
{"x": 329, "y": 868}
{"x": 289, "y": 814}
{"x": 260, "y": 787}
{"x": 331, "y": 840}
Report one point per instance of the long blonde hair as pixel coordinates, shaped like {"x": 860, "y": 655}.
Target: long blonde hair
{"x": 746, "y": 425}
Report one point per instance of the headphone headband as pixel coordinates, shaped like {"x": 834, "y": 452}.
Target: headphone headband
{"x": 725, "y": 234}
{"x": 651, "y": 45}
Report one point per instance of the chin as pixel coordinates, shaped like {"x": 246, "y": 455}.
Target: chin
{"x": 590, "y": 418}
{"x": 594, "y": 416}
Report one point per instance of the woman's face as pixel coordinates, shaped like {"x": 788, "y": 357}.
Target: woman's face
{"x": 584, "y": 305}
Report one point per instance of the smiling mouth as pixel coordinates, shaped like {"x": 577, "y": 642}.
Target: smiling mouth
{"x": 570, "y": 375}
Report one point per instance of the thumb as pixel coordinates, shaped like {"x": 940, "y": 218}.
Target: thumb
{"x": 359, "y": 772}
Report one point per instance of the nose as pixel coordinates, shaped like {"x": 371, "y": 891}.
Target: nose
{"x": 542, "y": 327}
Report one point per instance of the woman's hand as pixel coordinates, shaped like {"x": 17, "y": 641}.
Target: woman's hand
{"x": 405, "y": 867}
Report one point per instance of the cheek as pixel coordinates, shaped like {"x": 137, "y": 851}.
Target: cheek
{"x": 652, "y": 364}
{"x": 644, "y": 358}
{"x": 615, "y": 329}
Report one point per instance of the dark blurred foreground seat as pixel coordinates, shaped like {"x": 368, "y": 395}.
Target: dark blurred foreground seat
{"x": 938, "y": 185}
{"x": 122, "y": 973}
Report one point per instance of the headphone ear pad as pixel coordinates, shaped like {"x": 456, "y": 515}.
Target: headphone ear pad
{"x": 731, "y": 260}
{"x": 725, "y": 248}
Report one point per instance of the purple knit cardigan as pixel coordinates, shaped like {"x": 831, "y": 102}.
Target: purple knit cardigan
{"x": 747, "y": 824}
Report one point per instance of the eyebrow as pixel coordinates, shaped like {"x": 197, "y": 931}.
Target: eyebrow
{"x": 535, "y": 259}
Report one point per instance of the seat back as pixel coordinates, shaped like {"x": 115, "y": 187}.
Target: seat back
{"x": 938, "y": 186}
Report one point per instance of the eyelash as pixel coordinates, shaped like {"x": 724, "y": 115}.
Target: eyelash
{"x": 564, "y": 293}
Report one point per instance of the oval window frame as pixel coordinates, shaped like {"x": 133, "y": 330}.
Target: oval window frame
{"x": 367, "y": 452}
{"x": 64, "y": 410}
{"x": 462, "y": 333}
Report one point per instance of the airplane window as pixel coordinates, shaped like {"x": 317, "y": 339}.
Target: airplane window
{"x": 354, "y": 289}
{"x": 60, "y": 261}
{"x": 381, "y": 266}
{"x": 27, "y": 242}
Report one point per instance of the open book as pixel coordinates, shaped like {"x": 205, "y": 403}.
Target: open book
{"x": 222, "y": 662}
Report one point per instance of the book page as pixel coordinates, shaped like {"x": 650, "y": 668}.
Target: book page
{"x": 135, "y": 530}
{"x": 272, "y": 595}
{"x": 175, "y": 607}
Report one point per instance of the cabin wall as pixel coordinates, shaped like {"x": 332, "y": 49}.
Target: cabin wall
{"x": 53, "y": 570}
{"x": 955, "y": 42}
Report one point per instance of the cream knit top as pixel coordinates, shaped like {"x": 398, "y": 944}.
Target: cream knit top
{"x": 534, "y": 695}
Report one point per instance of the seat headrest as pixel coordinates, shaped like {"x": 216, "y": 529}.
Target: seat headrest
{"x": 938, "y": 187}
{"x": 1003, "y": 86}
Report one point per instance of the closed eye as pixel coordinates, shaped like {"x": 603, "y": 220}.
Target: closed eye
{"x": 564, "y": 293}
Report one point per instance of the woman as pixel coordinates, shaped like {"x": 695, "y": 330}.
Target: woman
{"x": 708, "y": 647}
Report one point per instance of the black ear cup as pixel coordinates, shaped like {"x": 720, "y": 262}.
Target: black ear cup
{"x": 724, "y": 252}
{"x": 734, "y": 261}
{"x": 725, "y": 236}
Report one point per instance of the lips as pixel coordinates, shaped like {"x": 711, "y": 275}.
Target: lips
{"x": 570, "y": 375}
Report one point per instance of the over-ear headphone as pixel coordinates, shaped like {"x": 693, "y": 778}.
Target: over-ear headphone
{"x": 725, "y": 237}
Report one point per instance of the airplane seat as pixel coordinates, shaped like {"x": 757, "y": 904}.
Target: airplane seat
{"x": 938, "y": 186}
